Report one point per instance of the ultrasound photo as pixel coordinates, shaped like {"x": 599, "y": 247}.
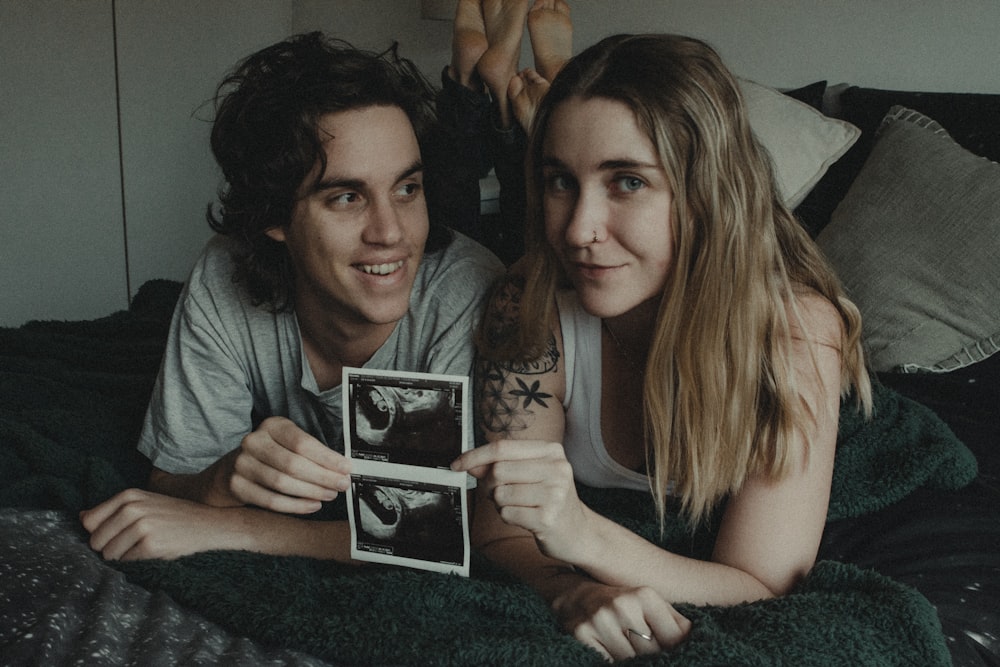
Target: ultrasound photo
{"x": 405, "y": 420}
{"x": 402, "y": 430}
{"x": 409, "y": 519}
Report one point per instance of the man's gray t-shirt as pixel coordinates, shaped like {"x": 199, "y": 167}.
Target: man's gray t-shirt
{"x": 229, "y": 364}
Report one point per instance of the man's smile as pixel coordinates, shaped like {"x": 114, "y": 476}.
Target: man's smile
{"x": 381, "y": 269}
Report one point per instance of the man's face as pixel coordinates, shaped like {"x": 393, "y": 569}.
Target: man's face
{"x": 356, "y": 239}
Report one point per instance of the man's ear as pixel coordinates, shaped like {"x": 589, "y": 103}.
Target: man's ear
{"x": 276, "y": 234}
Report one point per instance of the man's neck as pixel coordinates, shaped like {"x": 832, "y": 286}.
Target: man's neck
{"x": 330, "y": 345}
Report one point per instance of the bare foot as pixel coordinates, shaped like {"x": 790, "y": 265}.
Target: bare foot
{"x": 499, "y": 64}
{"x": 468, "y": 43}
{"x": 526, "y": 91}
{"x": 551, "y": 33}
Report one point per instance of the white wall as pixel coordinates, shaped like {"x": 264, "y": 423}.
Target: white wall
{"x": 60, "y": 195}
{"x": 944, "y": 45}
{"x": 72, "y": 209}
{"x": 374, "y": 24}
{"x": 83, "y": 223}
{"x": 172, "y": 56}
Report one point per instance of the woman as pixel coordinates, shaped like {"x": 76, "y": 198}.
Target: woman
{"x": 677, "y": 332}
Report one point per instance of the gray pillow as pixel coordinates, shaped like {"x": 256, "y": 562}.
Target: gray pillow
{"x": 916, "y": 242}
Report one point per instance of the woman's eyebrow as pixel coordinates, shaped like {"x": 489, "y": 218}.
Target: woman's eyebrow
{"x": 553, "y": 162}
{"x": 627, "y": 163}
{"x": 606, "y": 165}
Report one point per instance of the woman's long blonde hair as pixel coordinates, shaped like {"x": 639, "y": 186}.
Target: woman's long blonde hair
{"x": 720, "y": 402}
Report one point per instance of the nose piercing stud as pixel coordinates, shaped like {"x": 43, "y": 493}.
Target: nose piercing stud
{"x": 595, "y": 237}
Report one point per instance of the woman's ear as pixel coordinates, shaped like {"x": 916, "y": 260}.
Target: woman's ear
{"x": 276, "y": 234}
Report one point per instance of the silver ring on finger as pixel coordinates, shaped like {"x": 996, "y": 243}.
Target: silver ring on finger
{"x": 632, "y": 632}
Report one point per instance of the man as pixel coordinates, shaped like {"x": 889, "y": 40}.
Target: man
{"x": 325, "y": 258}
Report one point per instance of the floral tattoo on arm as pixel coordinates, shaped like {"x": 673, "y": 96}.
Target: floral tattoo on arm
{"x": 508, "y": 399}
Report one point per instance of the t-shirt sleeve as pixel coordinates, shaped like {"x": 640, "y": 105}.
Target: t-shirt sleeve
{"x": 458, "y": 297}
{"x": 202, "y": 404}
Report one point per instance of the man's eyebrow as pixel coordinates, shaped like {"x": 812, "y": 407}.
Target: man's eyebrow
{"x": 415, "y": 168}
{"x": 335, "y": 182}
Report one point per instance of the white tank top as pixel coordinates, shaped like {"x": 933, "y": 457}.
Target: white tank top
{"x": 583, "y": 442}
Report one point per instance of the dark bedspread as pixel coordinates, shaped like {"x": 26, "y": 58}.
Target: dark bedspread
{"x": 72, "y": 397}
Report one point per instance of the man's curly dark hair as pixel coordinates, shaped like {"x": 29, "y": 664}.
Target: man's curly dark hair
{"x": 265, "y": 138}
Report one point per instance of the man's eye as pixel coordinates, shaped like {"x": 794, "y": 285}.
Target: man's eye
{"x": 409, "y": 189}
{"x": 344, "y": 199}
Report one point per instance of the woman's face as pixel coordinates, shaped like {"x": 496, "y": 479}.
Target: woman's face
{"x": 607, "y": 205}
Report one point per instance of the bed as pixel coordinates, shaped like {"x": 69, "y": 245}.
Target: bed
{"x": 908, "y": 571}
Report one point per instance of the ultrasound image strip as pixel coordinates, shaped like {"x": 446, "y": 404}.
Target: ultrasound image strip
{"x": 402, "y": 420}
{"x": 402, "y": 431}
{"x": 409, "y": 520}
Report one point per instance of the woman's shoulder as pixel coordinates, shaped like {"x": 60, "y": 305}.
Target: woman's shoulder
{"x": 813, "y": 317}
{"x": 505, "y": 328}
{"x": 502, "y": 317}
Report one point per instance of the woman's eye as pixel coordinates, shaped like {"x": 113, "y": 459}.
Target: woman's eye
{"x": 629, "y": 184}
{"x": 558, "y": 183}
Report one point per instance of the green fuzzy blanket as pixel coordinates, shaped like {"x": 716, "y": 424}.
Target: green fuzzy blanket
{"x": 72, "y": 396}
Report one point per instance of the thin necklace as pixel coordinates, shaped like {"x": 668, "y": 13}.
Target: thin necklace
{"x": 629, "y": 361}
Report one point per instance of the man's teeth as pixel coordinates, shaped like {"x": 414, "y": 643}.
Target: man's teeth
{"x": 381, "y": 269}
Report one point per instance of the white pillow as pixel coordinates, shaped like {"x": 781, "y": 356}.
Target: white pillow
{"x": 802, "y": 142}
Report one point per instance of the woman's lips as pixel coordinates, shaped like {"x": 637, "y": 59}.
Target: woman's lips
{"x": 593, "y": 271}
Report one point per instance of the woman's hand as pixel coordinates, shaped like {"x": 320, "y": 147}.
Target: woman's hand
{"x": 531, "y": 484}
{"x": 620, "y": 622}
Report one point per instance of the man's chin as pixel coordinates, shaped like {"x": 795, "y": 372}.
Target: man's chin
{"x": 386, "y": 316}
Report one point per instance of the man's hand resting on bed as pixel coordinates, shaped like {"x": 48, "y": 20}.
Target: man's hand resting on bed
{"x": 278, "y": 467}
{"x": 137, "y": 524}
